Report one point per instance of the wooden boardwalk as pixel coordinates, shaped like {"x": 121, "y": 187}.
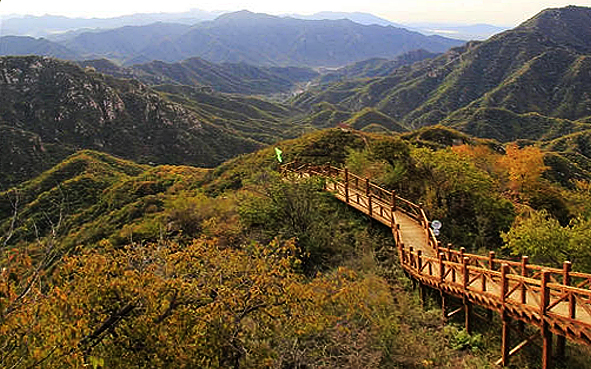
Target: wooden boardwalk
{"x": 558, "y": 301}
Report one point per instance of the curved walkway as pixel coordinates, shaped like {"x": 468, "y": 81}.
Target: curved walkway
{"x": 555, "y": 300}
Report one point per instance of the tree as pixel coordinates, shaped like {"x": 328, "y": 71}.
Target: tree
{"x": 194, "y": 305}
{"x": 464, "y": 197}
{"x": 524, "y": 167}
{"x": 302, "y": 211}
{"x": 539, "y": 235}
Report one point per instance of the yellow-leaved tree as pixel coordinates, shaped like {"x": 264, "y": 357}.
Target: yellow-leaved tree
{"x": 524, "y": 167}
{"x": 195, "y": 305}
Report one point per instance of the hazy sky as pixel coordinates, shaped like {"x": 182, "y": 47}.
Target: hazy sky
{"x": 500, "y": 12}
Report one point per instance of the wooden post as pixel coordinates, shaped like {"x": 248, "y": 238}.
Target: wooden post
{"x": 506, "y": 345}
{"x": 572, "y": 310}
{"x": 524, "y": 262}
{"x": 491, "y": 266}
{"x": 419, "y": 261}
{"x": 369, "y": 205}
{"x": 449, "y": 258}
{"x": 412, "y": 259}
{"x": 346, "y": 185}
{"x": 443, "y": 307}
{"x": 483, "y": 281}
{"x": 441, "y": 268}
{"x": 423, "y": 290}
{"x": 546, "y": 334}
{"x": 561, "y": 340}
{"x": 467, "y": 304}
{"x": 393, "y": 201}
{"x": 392, "y": 223}
{"x": 504, "y": 283}
{"x": 491, "y": 260}
{"x": 420, "y": 215}
{"x": 367, "y": 187}
{"x": 505, "y": 340}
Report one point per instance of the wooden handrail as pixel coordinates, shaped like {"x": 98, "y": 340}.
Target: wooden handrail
{"x": 561, "y": 296}
{"x": 420, "y": 210}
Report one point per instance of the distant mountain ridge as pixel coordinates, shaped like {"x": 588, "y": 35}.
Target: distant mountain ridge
{"x": 24, "y": 45}
{"x": 257, "y": 39}
{"x": 456, "y": 31}
{"x": 228, "y": 78}
{"x": 471, "y": 32}
{"x": 357, "y": 17}
{"x": 50, "y": 26}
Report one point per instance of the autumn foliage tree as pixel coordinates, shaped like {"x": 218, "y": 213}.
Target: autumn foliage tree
{"x": 524, "y": 167}
{"x": 187, "y": 306}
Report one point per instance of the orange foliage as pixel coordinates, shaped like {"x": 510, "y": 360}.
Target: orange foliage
{"x": 524, "y": 167}
{"x": 519, "y": 170}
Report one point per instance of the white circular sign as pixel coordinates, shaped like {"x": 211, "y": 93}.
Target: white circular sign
{"x": 436, "y": 232}
{"x": 436, "y": 225}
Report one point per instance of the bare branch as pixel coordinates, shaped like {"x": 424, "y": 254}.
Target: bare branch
{"x": 38, "y": 362}
{"x": 110, "y": 323}
{"x": 14, "y": 205}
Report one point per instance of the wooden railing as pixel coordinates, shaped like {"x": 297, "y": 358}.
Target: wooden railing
{"x": 555, "y": 300}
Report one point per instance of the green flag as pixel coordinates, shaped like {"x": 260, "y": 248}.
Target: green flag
{"x": 278, "y": 153}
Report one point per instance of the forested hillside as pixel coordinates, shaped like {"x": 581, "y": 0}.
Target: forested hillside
{"x": 229, "y": 78}
{"x": 177, "y": 266}
{"x": 234, "y": 267}
{"x": 50, "y": 109}
{"x": 489, "y": 88}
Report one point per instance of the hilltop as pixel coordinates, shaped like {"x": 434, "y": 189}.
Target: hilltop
{"x": 25, "y": 45}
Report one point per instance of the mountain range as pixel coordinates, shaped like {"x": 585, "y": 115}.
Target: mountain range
{"x": 529, "y": 84}
{"x": 145, "y": 220}
{"x": 257, "y": 39}
{"x": 490, "y": 88}
{"x": 54, "y": 27}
